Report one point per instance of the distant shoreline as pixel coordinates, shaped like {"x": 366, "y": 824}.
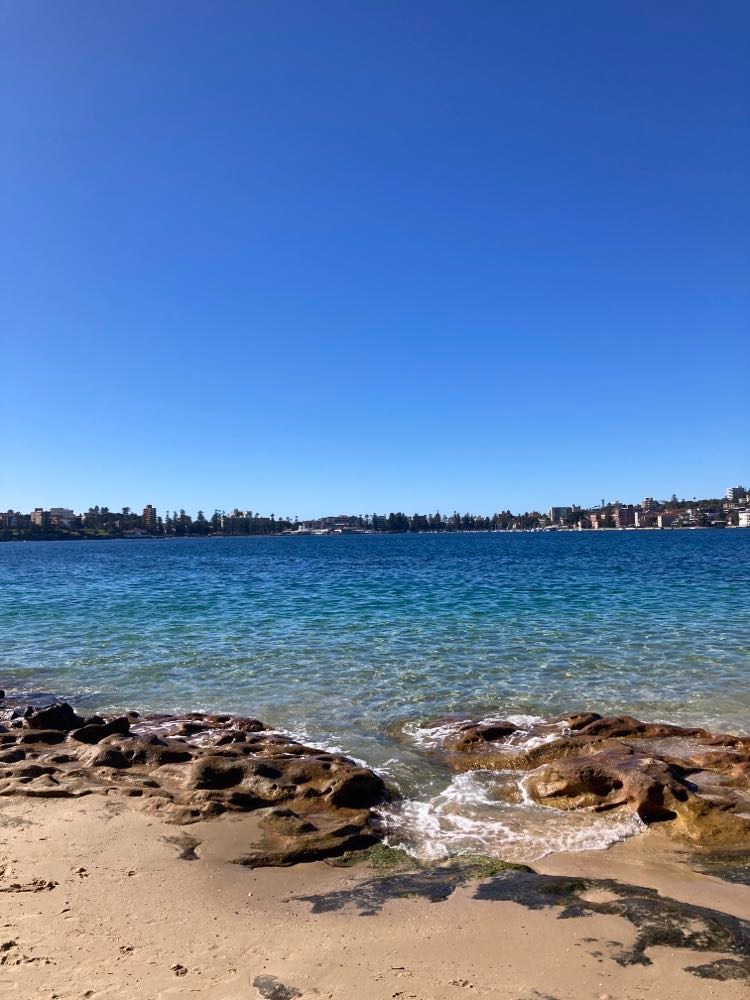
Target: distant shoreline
{"x": 379, "y": 534}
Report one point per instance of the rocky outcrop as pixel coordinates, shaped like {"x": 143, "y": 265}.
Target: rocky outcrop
{"x": 695, "y": 783}
{"x": 193, "y": 767}
{"x": 59, "y": 716}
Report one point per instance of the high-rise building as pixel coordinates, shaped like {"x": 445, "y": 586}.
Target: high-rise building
{"x": 624, "y": 516}
{"x": 558, "y": 514}
{"x": 149, "y": 518}
{"x": 649, "y": 504}
{"x": 736, "y": 493}
{"x": 40, "y": 517}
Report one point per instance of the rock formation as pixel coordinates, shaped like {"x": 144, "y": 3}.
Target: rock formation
{"x": 193, "y": 767}
{"x": 694, "y": 782}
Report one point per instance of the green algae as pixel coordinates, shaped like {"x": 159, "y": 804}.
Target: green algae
{"x": 384, "y": 858}
{"x": 381, "y": 857}
{"x": 484, "y": 866}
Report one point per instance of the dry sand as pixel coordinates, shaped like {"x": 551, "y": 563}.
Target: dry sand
{"x": 129, "y": 915}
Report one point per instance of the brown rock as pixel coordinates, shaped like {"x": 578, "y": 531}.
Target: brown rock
{"x": 245, "y": 725}
{"x": 48, "y": 736}
{"x": 658, "y": 791}
{"x": 608, "y": 780}
{"x": 189, "y": 728}
{"x": 485, "y": 732}
{"x": 60, "y": 716}
{"x": 290, "y": 838}
{"x": 693, "y": 781}
{"x": 576, "y": 722}
{"x": 327, "y": 797}
{"x": 625, "y": 725}
{"x": 101, "y": 755}
{"x": 94, "y": 732}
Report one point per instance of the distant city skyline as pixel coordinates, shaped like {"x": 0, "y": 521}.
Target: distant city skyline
{"x": 97, "y": 522}
{"x": 361, "y": 256}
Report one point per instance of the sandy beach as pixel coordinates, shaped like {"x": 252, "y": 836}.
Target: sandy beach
{"x": 375, "y": 500}
{"x": 101, "y": 900}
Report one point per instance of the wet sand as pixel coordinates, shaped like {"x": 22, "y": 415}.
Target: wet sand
{"x": 98, "y": 899}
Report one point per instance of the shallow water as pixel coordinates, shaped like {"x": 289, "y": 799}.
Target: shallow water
{"x": 339, "y": 638}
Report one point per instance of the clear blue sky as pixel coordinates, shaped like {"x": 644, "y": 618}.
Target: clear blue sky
{"x": 366, "y": 256}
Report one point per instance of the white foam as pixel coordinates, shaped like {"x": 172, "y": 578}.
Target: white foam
{"x": 524, "y": 721}
{"x": 421, "y": 828}
{"x": 432, "y": 737}
{"x": 389, "y": 768}
{"x": 468, "y": 816}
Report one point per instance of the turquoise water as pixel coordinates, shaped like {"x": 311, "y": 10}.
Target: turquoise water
{"x": 338, "y": 638}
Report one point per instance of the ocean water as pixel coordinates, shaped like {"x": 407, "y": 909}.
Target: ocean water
{"x": 343, "y": 640}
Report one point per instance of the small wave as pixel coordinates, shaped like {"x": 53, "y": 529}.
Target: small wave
{"x": 531, "y": 731}
{"x": 428, "y": 737}
{"x": 491, "y": 813}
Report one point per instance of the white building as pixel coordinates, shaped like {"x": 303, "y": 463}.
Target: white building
{"x": 61, "y": 515}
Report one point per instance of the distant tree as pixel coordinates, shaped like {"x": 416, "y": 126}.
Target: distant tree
{"x": 398, "y": 522}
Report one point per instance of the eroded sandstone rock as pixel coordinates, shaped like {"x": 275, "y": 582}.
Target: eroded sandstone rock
{"x": 695, "y": 782}
{"x": 187, "y": 768}
{"x": 485, "y": 732}
{"x": 95, "y": 730}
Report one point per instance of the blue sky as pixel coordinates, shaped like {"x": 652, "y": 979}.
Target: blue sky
{"x": 308, "y": 258}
